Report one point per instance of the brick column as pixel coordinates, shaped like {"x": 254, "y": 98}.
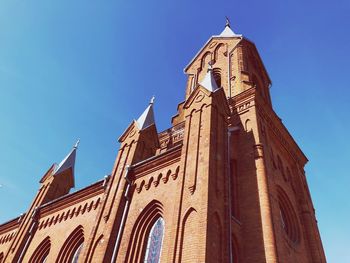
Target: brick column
{"x": 265, "y": 208}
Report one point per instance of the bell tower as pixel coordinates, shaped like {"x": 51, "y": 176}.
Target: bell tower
{"x": 225, "y": 183}
{"x": 270, "y": 211}
{"x": 236, "y": 64}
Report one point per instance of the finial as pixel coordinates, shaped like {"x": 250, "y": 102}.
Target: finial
{"x": 227, "y": 22}
{"x": 76, "y": 144}
{"x": 152, "y": 100}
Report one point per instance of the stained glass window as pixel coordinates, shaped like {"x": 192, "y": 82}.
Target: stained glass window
{"x": 77, "y": 254}
{"x": 154, "y": 243}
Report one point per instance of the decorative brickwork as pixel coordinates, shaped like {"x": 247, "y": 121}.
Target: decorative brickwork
{"x": 225, "y": 183}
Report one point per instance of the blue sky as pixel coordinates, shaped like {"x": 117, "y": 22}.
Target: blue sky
{"x": 85, "y": 69}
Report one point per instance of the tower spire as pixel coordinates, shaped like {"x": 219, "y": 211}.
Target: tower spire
{"x": 68, "y": 163}
{"x": 147, "y": 117}
{"x": 227, "y": 32}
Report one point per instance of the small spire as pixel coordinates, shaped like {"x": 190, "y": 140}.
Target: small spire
{"x": 209, "y": 81}
{"x": 68, "y": 163}
{"x": 152, "y": 100}
{"x": 227, "y": 32}
{"x": 147, "y": 117}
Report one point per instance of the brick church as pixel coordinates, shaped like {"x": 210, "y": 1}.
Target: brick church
{"x": 225, "y": 183}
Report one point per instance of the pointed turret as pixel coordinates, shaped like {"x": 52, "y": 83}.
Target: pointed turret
{"x": 145, "y": 121}
{"x": 56, "y": 182}
{"x": 209, "y": 81}
{"x": 227, "y": 32}
{"x": 147, "y": 117}
{"x": 68, "y": 162}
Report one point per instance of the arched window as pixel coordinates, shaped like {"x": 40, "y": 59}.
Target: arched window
{"x": 217, "y": 76}
{"x": 72, "y": 247}
{"x": 1, "y": 257}
{"x": 42, "y": 252}
{"x": 77, "y": 254}
{"x": 288, "y": 217}
{"x": 143, "y": 229}
{"x": 154, "y": 243}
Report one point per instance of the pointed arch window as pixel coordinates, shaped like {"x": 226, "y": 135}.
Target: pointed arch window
{"x": 155, "y": 242}
{"x": 1, "y": 257}
{"x": 217, "y": 76}
{"x": 72, "y": 247}
{"x": 288, "y": 217}
{"x": 77, "y": 254}
{"x": 41, "y": 254}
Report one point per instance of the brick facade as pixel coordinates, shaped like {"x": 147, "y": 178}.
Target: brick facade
{"x": 227, "y": 179}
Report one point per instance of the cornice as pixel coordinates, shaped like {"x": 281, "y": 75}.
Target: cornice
{"x": 72, "y": 199}
{"x": 10, "y": 225}
{"x": 240, "y": 103}
{"x": 250, "y": 98}
{"x": 157, "y": 162}
{"x": 281, "y": 133}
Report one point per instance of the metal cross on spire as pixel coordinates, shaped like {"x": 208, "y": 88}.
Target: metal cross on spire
{"x": 77, "y": 144}
{"x": 227, "y": 22}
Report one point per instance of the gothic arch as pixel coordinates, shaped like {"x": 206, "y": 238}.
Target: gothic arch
{"x": 205, "y": 61}
{"x": 217, "y": 76}
{"x": 217, "y": 51}
{"x": 96, "y": 243}
{"x": 71, "y": 245}
{"x": 288, "y": 216}
{"x": 42, "y": 251}
{"x": 188, "y": 242}
{"x": 248, "y": 125}
{"x": 155, "y": 241}
{"x": 143, "y": 224}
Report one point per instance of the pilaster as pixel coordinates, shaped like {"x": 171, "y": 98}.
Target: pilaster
{"x": 203, "y": 214}
{"x": 136, "y": 145}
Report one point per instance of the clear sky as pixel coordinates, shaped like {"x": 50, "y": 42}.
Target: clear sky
{"x": 85, "y": 69}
